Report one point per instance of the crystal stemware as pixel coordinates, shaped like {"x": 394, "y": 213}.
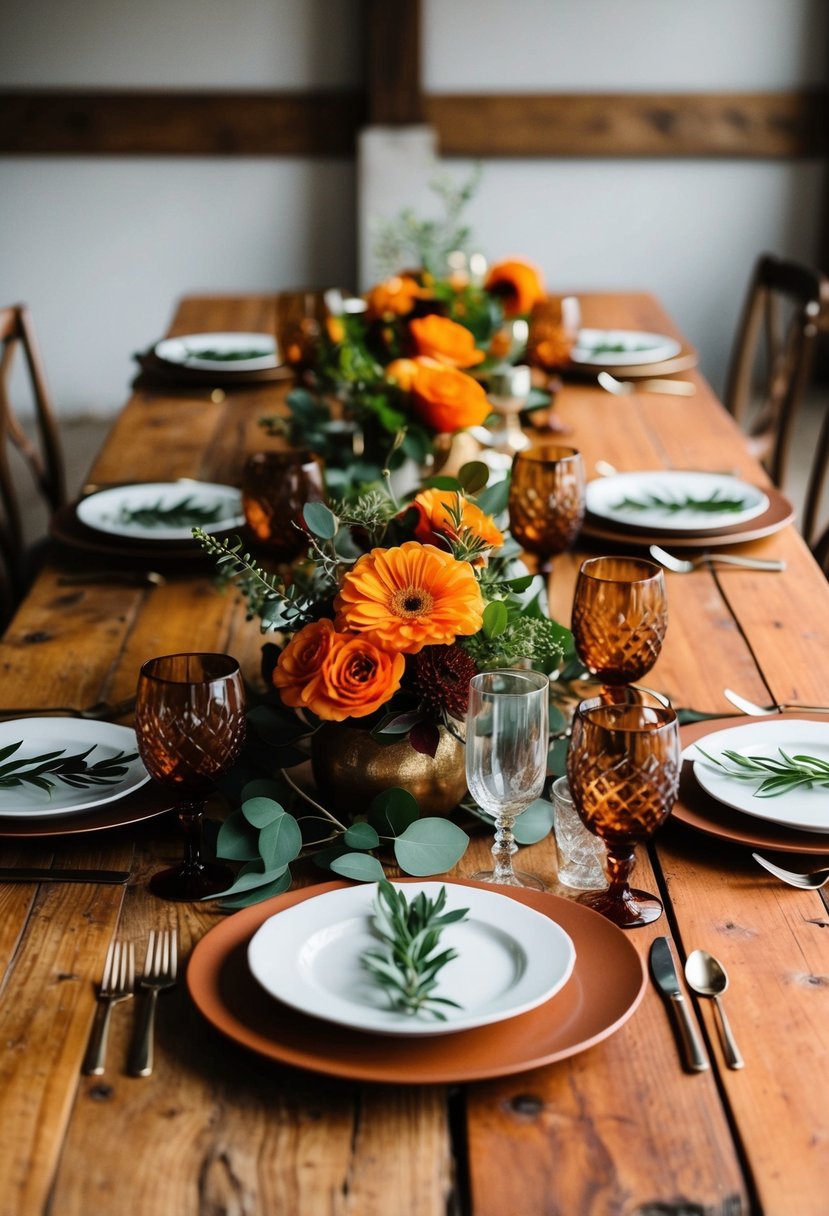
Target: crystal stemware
{"x": 623, "y": 771}
{"x": 190, "y": 726}
{"x": 275, "y": 487}
{"x": 506, "y": 757}
{"x": 546, "y": 500}
{"x": 620, "y": 614}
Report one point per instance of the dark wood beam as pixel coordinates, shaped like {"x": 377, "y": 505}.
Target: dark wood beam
{"x": 90, "y": 123}
{"x": 736, "y": 125}
{"x": 393, "y": 62}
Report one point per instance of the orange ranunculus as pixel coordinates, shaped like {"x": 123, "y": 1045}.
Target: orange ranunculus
{"x": 395, "y": 296}
{"x": 447, "y": 399}
{"x": 442, "y": 339}
{"x": 436, "y": 508}
{"x": 335, "y": 329}
{"x": 517, "y": 284}
{"x": 401, "y": 372}
{"x": 355, "y": 679}
{"x": 299, "y": 663}
{"x": 410, "y": 597}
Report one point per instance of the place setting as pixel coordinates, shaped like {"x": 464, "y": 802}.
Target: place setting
{"x": 220, "y": 359}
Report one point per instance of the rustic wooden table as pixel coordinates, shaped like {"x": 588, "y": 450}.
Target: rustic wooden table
{"x": 618, "y": 1129}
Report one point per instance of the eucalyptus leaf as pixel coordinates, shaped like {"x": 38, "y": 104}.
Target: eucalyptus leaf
{"x": 361, "y": 836}
{"x": 493, "y": 500}
{"x": 280, "y": 841}
{"x": 320, "y": 520}
{"x": 250, "y": 880}
{"x": 237, "y": 839}
{"x": 557, "y": 757}
{"x": 277, "y": 887}
{"x": 473, "y": 476}
{"x": 259, "y": 812}
{"x": 496, "y": 619}
{"x": 360, "y": 866}
{"x": 430, "y": 846}
{"x": 263, "y": 787}
{"x": 534, "y": 823}
{"x": 392, "y": 811}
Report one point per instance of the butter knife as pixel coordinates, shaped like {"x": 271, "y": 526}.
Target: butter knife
{"x": 666, "y": 978}
{"x": 21, "y": 874}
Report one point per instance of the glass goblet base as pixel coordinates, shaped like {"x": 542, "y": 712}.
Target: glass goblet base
{"x": 187, "y": 883}
{"x": 518, "y": 878}
{"x": 632, "y": 909}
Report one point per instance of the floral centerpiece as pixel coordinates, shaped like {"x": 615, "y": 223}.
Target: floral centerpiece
{"x": 379, "y": 628}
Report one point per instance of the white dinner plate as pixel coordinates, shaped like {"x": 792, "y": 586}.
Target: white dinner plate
{"x": 616, "y": 347}
{"x": 114, "y": 510}
{"x": 225, "y": 352}
{"x": 614, "y": 498}
{"x": 510, "y": 959}
{"x": 806, "y": 809}
{"x": 39, "y": 736}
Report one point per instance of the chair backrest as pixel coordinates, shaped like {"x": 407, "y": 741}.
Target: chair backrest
{"x": 817, "y": 538}
{"x": 777, "y": 330}
{"x": 44, "y": 457}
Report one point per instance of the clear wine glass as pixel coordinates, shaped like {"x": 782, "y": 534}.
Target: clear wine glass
{"x": 620, "y": 615}
{"x": 546, "y": 500}
{"x": 190, "y": 726}
{"x": 623, "y": 768}
{"x": 506, "y": 758}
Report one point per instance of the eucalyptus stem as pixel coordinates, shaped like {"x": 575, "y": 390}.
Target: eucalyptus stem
{"x": 311, "y": 801}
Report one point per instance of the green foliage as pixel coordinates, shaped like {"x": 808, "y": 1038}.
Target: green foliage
{"x": 44, "y": 771}
{"x": 782, "y": 773}
{"x": 187, "y": 513}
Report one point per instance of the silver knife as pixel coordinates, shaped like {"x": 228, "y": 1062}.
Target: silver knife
{"x": 665, "y": 975}
{"x": 21, "y": 874}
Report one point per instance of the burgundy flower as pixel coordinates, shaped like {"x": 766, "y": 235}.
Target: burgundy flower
{"x": 441, "y": 679}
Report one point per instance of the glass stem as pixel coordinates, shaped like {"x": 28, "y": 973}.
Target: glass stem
{"x": 190, "y": 817}
{"x": 502, "y": 850}
{"x": 619, "y": 864}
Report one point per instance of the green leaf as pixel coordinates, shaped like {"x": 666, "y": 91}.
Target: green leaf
{"x": 250, "y": 880}
{"x": 430, "y": 846}
{"x": 280, "y": 841}
{"x": 473, "y": 476}
{"x": 557, "y": 758}
{"x": 496, "y": 619}
{"x": 535, "y": 823}
{"x": 320, "y": 520}
{"x": 259, "y": 812}
{"x": 393, "y": 811}
{"x": 277, "y": 726}
{"x": 263, "y": 787}
{"x": 493, "y": 500}
{"x": 237, "y": 840}
{"x": 440, "y": 482}
{"x": 361, "y": 836}
{"x": 277, "y": 887}
{"x": 360, "y": 866}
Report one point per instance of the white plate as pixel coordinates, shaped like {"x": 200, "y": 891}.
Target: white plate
{"x": 617, "y": 347}
{"x": 42, "y": 735}
{"x": 510, "y": 959}
{"x": 228, "y": 351}
{"x": 104, "y": 510}
{"x": 806, "y": 809}
{"x": 606, "y": 499}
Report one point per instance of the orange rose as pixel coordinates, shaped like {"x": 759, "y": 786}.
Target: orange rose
{"x": 356, "y": 678}
{"x": 518, "y": 285}
{"x": 395, "y": 296}
{"x": 436, "y": 508}
{"x": 401, "y": 372}
{"x": 299, "y": 663}
{"x": 447, "y": 399}
{"x": 439, "y": 338}
{"x": 335, "y": 329}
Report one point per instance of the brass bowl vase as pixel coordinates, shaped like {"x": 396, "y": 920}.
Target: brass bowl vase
{"x": 351, "y": 768}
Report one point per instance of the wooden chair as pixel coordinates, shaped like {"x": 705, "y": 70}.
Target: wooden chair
{"x": 818, "y": 540}
{"x": 777, "y": 331}
{"x": 44, "y": 458}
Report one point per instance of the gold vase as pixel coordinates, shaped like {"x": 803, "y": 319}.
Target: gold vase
{"x": 351, "y": 768}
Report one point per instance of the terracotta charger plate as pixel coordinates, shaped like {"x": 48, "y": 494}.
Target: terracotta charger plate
{"x": 606, "y": 986}
{"x": 222, "y": 377}
{"x": 699, "y": 810}
{"x": 145, "y": 803}
{"x": 777, "y": 515}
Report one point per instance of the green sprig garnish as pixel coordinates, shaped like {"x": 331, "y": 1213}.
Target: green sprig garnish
{"x": 713, "y": 504}
{"x": 227, "y": 356}
{"x": 784, "y": 774}
{"x": 407, "y": 964}
{"x": 44, "y": 771}
{"x": 183, "y": 514}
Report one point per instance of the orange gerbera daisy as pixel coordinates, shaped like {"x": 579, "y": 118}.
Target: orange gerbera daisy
{"x": 443, "y": 339}
{"x": 436, "y": 509}
{"x": 410, "y": 597}
{"x": 517, "y": 284}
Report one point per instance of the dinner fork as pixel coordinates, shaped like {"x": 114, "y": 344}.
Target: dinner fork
{"x": 680, "y": 565}
{"x": 760, "y": 711}
{"x": 160, "y": 967}
{"x": 117, "y": 983}
{"x": 623, "y": 388}
{"x": 807, "y": 882}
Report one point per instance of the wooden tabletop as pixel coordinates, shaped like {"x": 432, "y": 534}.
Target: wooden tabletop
{"x": 618, "y": 1129}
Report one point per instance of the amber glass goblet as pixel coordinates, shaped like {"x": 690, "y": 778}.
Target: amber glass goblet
{"x": 546, "y": 500}
{"x": 300, "y": 316}
{"x": 623, "y": 771}
{"x": 190, "y": 726}
{"x": 275, "y": 488}
{"x": 620, "y": 614}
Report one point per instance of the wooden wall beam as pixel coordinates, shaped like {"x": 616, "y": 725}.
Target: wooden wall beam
{"x": 790, "y": 124}
{"x": 91, "y": 123}
{"x": 392, "y": 38}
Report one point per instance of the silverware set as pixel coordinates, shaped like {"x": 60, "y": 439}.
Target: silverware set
{"x": 706, "y": 977}
{"x": 118, "y": 985}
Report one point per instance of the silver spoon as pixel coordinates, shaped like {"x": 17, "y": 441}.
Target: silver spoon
{"x": 707, "y": 977}
{"x": 680, "y": 565}
{"x": 623, "y": 388}
{"x": 806, "y": 882}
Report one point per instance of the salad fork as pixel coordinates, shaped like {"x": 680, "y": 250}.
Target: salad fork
{"x": 807, "y": 882}
{"x": 117, "y": 983}
{"x": 160, "y": 967}
{"x": 680, "y": 565}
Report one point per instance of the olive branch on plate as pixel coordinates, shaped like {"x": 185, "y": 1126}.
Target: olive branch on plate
{"x": 187, "y": 513}
{"x": 781, "y": 774}
{"x": 715, "y": 503}
{"x": 43, "y": 772}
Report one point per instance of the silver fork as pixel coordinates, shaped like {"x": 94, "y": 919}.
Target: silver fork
{"x": 778, "y": 707}
{"x": 117, "y": 984}
{"x": 680, "y": 565}
{"x": 160, "y": 967}
{"x": 807, "y": 882}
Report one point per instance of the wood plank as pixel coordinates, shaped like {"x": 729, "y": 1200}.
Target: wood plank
{"x": 179, "y": 123}
{"x": 393, "y": 35}
{"x": 734, "y": 125}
